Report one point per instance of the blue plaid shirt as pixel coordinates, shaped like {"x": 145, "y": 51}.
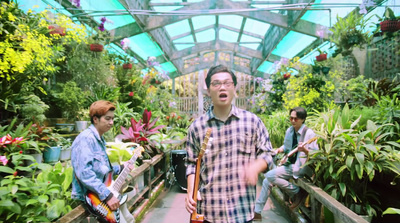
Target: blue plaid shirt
{"x": 238, "y": 141}
{"x": 90, "y": 162}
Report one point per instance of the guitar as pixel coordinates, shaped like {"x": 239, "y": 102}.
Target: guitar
{"x": 284, "y": 159}
{"x": 101, "y": 209}
{"x": 195, "y": 217}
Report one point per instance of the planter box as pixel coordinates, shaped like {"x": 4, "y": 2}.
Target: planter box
{"x": 65, "y": 154}
{"x": 52, "y": 154}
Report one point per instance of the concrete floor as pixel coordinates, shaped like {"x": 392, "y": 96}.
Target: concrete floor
{"x": 170, "y": 207}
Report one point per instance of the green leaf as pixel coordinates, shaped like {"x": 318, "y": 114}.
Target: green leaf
{"x": 359, "y": 171}
{"x": 43, "y": 199}
{"x": 391, "y": 211}
{"x": 31, "y": 201}
{"x": 6, "y": 169}
{"x": 6, "y": 203}
{"x": 14, "y": 189}
{"x": 55, "y": 210}
{"x": 360, "y": 158}
{"x": 341, "y": 169}
{"x": 349, "y": 161}
{"x": 342, "y": 187}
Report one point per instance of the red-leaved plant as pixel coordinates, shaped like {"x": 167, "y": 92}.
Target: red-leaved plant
{"x": 140, "y": 131}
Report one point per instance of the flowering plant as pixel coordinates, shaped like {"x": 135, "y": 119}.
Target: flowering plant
{"x": 125, "y": 46}
{"x": 101, "y": 35}
{"x": 140, "y": 131}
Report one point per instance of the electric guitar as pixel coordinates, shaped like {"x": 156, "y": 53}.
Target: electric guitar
{"x": 195, "y": 217}
{"x": 284, "y": 159}
{"x": 101, "y": 209}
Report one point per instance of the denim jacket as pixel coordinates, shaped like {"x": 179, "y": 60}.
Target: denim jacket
{"x": 91, "y": 164}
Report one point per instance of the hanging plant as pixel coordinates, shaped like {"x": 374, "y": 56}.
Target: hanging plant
{"x": 390, "y": 23}
{"x": 56, "y": 30}
{"x": 127, "y": 66}
{"x": 95, "y": 47}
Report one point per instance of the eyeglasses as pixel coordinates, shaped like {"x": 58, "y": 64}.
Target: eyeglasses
{"x": 293, "y": 118}
{"x": 218, "y": 84}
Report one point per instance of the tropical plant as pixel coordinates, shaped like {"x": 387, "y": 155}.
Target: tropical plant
{"x": 276, "y": 124}
{"x": 140, "y": 132}
{"x": 40, "y": 198}
{"x": 103, "y": 92}
{"x": 349, "y": 159}
{"x": 349, "y": 32}
{"x": 71, "y": 99}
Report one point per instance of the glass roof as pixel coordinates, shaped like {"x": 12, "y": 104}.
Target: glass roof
{"x": 173, "y": 30}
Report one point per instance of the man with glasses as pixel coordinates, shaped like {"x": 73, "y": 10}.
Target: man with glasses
{"x": 239, "y": 151}
{"x": 295, "y": 137}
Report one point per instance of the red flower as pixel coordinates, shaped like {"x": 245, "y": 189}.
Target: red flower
{"x": 286, "y": 76}
{"x": 167, "y": 117}
{"x": 15, "y": 173}
{"x": 131, "y": 94}
{"x": 179, "y": 117}
{"x": 20, "y": 152}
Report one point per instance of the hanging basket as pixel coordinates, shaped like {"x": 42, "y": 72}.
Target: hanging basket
{"x": 127, "y": 66}
{"x": 56, "y": 30}
{"x": 390, "y": 25}
{"x": 96, "y": 47}
{"x": 321, "y": 57}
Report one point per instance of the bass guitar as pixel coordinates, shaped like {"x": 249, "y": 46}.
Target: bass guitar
{"x": 195, "y": 217}
{"x": 285, "y": 158}
{"x": 99, "y": 208}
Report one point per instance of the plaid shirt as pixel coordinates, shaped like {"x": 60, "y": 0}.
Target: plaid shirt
{"x": 238, "y": 141}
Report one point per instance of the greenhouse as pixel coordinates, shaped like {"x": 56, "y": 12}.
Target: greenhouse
{"x": 200, "y": 110}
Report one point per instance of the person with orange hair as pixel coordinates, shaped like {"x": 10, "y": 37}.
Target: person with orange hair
{"x": 90, "y": 161}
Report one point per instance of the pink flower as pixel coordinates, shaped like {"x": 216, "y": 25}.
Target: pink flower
{"x": 4, "y": 160}
{"x": 131, "y": 94}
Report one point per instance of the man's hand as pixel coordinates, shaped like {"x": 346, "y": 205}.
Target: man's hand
{"x": 113, "y": 203}
{"x": 279, "y": 150}
{"x": 252, "y": 170}
{"x": 190, "y": 203}
{"x": 301, "y": 148}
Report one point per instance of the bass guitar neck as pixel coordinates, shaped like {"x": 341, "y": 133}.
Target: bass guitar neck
{"x": 195, "y": 217}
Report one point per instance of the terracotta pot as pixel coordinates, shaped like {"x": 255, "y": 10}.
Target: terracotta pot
{"x": 321, "y": 57}
{"x": 390, "y": 25}
{"x": 96, "y": 47}
{"x": 127, "y": 66}
{"x": 57, "y": 30}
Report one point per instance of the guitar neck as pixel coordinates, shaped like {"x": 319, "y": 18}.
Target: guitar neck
{"x": 119, "y": 182}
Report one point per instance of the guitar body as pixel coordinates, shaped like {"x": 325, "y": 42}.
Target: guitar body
{"x": 101, "y": 209}
{"x": 197, "y": 219}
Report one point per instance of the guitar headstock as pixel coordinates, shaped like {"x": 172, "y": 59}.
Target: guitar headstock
{"x": 207, "y": 138}
{"x": 312, "y": 140}
{"x": 137, "y": 153}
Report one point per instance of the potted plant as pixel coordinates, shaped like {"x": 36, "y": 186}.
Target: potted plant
{"x": 99, "y": 38}
{"x": 349, "y": 158}
{"x": 139, "y": 133}
{"x": 349, "y": 32}
{"x": 389, "y": 22}
{"x": 82, "y": 120}
{"x": 322, "y": 55}
{"x": 51, "y": 153}
{"x": 65, "y": 144}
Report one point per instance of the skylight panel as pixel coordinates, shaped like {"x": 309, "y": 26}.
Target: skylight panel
{"x": 227, "y": 35}
{"x": 184, "y": 42}
{"x": 143, "y": 46}
{"x": 178, "y": 28}
{"x": 257, "y": 27}
{"x": 292, "y": 44}
{"x": 266, "y": 67}
{"x": 168, "y": 67}
{"x": 203, "y": 21}
{"x": 249, "y": 42}
{"x": 234, "y": 21}
{"x": 205, "y": 36}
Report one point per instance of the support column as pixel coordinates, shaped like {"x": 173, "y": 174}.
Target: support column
{"x": 200, "y": 87}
